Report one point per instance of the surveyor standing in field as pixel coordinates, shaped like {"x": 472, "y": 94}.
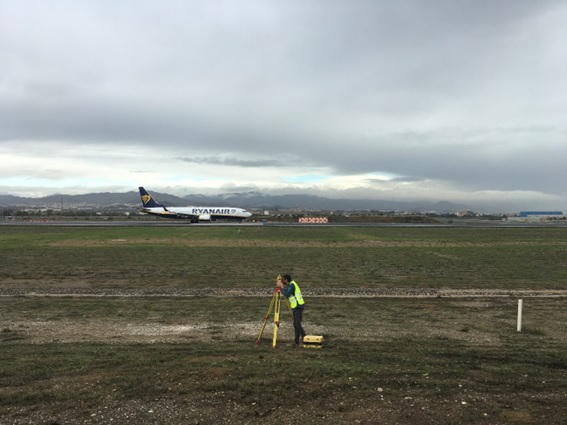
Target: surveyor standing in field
{"x": 290, "y": 290}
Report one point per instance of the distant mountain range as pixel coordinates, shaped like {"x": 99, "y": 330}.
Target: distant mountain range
{"x": 251, "y": 200}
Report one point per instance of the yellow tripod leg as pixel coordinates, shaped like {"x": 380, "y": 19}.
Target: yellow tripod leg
{"x": 272, "y": 303}
{"x": 276, "y": 318}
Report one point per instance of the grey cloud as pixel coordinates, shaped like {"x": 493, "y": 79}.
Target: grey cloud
{"x": 464, "y": 92}
{"x": 234, "y": 162}
{"x": 408, "y": 179}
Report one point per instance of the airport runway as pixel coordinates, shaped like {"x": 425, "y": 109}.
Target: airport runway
{"x": 182, "y": 223}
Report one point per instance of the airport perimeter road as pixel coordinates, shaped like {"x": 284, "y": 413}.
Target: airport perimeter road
{"x": 177, "y": 223}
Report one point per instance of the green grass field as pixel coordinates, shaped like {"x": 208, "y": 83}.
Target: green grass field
{"x": 508, "y": 258}
{"x": 193, "y": 360}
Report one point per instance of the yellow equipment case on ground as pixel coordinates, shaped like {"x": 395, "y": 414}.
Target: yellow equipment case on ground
{"x": 313, "y": 341}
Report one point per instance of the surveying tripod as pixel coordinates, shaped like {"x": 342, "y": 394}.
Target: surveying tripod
{"x": 275, "y": 305}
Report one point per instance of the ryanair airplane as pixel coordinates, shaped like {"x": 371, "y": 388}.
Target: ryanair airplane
{"x": 194, "y": 214}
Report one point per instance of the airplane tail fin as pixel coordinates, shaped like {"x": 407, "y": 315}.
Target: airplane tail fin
{"x": 147, "y": 200}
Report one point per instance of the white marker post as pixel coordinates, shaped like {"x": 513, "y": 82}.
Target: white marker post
{"x": 519, "y": 315}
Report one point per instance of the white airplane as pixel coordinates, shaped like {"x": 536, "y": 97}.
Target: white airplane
{"x": 194, "y": 214}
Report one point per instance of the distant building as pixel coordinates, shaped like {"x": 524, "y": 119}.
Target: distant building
{"x": 549, "y": 216}
{"x": 466, "y": 213}
{"x": 540, "y": 214}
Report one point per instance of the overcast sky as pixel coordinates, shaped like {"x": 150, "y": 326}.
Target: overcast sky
{"x": 457, "y": 100}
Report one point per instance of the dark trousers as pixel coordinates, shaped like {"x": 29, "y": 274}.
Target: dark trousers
{"x": 297, "y": 318}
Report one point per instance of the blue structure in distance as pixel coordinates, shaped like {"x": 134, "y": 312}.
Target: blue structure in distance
{"x": 529, "y": 213}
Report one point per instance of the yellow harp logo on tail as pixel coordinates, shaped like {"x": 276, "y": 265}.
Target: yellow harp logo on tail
{"x": 146, "y": 199}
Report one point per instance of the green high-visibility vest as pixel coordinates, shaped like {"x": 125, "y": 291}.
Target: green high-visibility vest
{"x": 296, "y": 298}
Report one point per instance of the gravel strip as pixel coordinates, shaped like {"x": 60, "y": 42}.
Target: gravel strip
{"x": 263, "y": 292}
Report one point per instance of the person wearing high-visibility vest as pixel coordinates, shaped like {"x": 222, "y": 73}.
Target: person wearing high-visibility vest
{"x": 290, "y": 290}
